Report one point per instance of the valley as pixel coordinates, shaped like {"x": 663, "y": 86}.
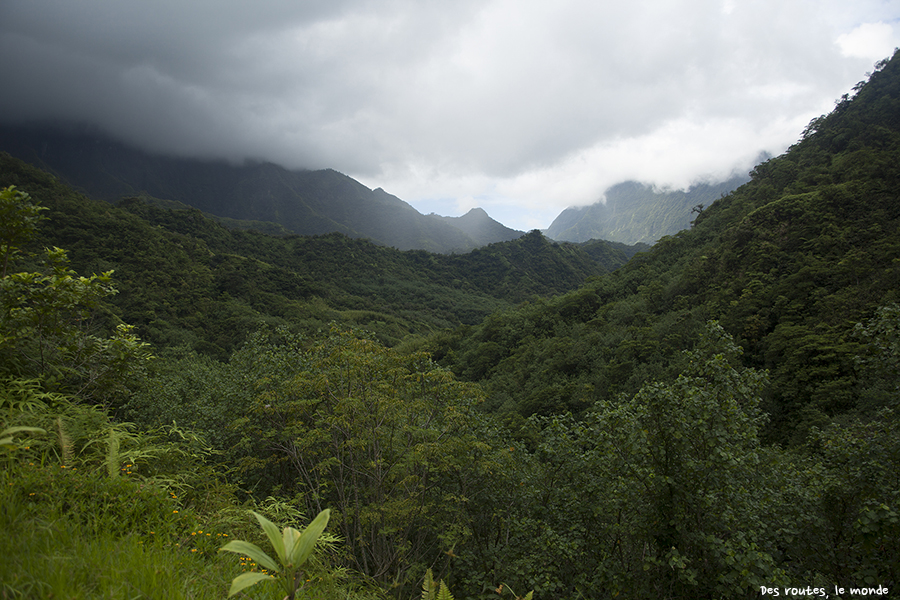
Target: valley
{"x": 704, "y": 417}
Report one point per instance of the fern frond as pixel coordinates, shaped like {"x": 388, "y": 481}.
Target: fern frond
{"x": 444, "y": 594}
{"x": 428, "y": 587}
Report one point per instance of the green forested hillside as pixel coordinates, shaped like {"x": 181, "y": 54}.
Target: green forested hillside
{"x": 185, "y": 279}
{"x": 715, "y": 419}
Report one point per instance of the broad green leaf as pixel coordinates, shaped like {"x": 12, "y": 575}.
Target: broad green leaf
{"x": 245, "y": 580}
{"x": 274, "y": 537}
{"x": 290, "y": 537}
{"x": 253, "y": 552}
{"x": 304, "y": 546}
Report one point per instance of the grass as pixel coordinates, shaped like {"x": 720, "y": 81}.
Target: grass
{"x": 75, "y": 535}
{"x": 55, "y": 561}
{"x": 115, "y": 539}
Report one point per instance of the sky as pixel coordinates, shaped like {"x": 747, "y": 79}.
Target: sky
{"x": 521, "y": 107}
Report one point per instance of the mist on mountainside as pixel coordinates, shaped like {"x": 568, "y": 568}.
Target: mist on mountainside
{"x": 633, "y": 212}
{"x": 300, "y": 202}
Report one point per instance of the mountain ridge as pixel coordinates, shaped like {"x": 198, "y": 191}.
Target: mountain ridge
{"x": 304, "y": 202}
{"x": 184, "y": 279}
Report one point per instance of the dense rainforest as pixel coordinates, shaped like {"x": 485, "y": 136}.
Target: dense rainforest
{"x": 712, "y": 418}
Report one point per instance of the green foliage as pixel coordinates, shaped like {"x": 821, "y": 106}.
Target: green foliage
{"x": 195, "y": 391}
{"x": 77, "y": 534}
{"x": 185, "y": 280}
{"x": 46, "y": 328}
{"x": 369, "y": 432}
{"x": 432, "y": 590}
{"x": 857, "y": 527}
{"x": 19, "y": 218}
{"x": 9, "y": 435}
{"x": 686, "y": 457}
{"x": 879, "y": 360}
{"x": 660, "y": 494}
{"x": 95, "y": 501}
{"x": 292, "y": 547}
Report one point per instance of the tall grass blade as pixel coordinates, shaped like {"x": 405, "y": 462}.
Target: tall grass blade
{"x": 65, "y": 442}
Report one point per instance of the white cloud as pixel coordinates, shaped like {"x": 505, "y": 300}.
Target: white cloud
{"x": 524, "y": 107}
{"x": 873, "y": 41}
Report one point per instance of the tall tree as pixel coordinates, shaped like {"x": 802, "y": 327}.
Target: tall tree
{"x": 369, "y": 433}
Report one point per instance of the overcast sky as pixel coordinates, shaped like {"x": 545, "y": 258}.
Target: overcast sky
{"x": 522, "y": 107}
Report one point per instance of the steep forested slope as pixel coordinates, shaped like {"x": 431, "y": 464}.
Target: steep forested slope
{"x": 185, "y": 279}
{"x": 788, "y": 263}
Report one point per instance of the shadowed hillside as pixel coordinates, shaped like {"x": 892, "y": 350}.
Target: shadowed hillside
{"x": 302, "y": 202}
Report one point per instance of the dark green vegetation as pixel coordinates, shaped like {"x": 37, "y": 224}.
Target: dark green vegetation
{"x": 636, "y": 213}
{"x": 184, "y": 279}
{"x": 259, "y": 195}
{"x": 717, "y": 416}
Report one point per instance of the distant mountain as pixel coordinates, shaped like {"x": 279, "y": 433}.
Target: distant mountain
{"x": 301, "y": 202}
{"x": 637, "y": 213}
{"x": 480, "y": 227}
